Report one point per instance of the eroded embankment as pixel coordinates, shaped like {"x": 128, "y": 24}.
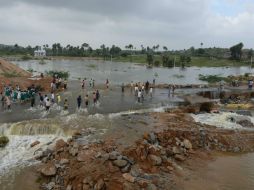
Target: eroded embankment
{"x": 151, "y": 162}
{"x": 11, "y": 74}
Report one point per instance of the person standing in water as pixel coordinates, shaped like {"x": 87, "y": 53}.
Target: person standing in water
{"x": 33, "y": 99}
{"x": 66, "y": 105}
{"x": 86, "y": 100}
{"x": 65, "y": 84}
{"x": 2, "y": 99}
{"x": 58, "y": 98}
{"x": 52, "y": 97}
{"x": 169, "y": 90}
{"x": 93, "y": 83}
{"x": 139, "y": 95}
{"x": 173, "y": 89}
{"x": 132, "y": 86}
{"x": 136, "y": 90}
{"x": 97, "y": 95}
{"x": 8, "y": 102}
{"x": 83, "y": 84}
{"x": 151, "y": 91}
{"x": 107, "y": 83}
{"x": 122, "y": 87}
{"x": 47, "y": 104}
{"x": 79, "y": 100}
{"x": 94, "y": 98}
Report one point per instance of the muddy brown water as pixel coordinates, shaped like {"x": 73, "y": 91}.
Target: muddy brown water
{"x": 226, "y": 172}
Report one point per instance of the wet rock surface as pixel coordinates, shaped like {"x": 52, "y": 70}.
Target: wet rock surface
{"x": 149, "y": 163}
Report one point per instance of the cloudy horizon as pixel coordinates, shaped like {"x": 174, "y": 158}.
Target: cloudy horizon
{"x": 176, "y": 24}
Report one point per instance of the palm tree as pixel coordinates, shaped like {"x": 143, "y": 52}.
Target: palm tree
{"x": 201, "y": 44}
{"x": 85, "y": 45}
{"x": 157, "y": 47}
{"x": 165, "y": 48}
{"x": 130, "y": 47}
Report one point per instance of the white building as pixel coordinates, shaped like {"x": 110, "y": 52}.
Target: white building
{"x": 40, "y": 52}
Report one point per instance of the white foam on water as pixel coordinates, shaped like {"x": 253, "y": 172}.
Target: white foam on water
{"x": 131, "y": 112}
{"x": 96, "y": 116}
{"x": 81, "y": 110}
{"x": 221, "y": 120}
{"x": 18, "y": 152}
{"x": 64, "y": 112}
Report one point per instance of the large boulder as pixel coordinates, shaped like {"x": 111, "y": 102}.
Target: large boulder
{"x": 49, "y": 170}
{"x": 100, "y": 185}
{"x": 34, "y": 143}
{"x": 187, "y": 144}
{"x": 60, "y": 144}
{"x": 156, "y": 160}
{"x": 244, "y": 121}
{"x": 128, "y": 177}
{"x": 3, "y": 141}
{"x": 120, "y": 163}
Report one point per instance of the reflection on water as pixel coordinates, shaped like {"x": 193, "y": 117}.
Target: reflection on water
{"x": 118, "y": 73}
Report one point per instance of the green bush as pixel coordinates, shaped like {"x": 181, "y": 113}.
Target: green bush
{"x": 212, "y": 78}
{"x": 26, "y": 57}
{"x": 156, "y": 63}
{"x": 61, "y": 74}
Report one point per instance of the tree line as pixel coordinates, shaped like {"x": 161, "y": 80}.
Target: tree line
{"x": 168, "y": 57}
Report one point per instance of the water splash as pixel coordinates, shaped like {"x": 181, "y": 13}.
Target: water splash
{"x": 222, "y": 120}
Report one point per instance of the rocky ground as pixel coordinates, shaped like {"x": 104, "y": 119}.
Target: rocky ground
{"x": 152, "y": 162}
{"x": 11, "y": 74}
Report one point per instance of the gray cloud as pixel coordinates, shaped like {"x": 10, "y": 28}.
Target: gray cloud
{"x": 176, "y": 24}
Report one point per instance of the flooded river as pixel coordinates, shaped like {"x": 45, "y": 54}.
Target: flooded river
{"x": 115, "y": 115}
{"x": 119, "y": 73}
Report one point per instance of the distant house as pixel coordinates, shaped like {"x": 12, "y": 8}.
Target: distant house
{"x": 40, "y": 53}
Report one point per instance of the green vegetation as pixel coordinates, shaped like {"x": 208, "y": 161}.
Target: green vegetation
{"x": 178, "y": 76}
{"x": 3, "y": 141}
{"x": 213, "y": 78}
{"x": 11, "y": 75}
{"x": 30, "y": 70}
{"x": 92, "y": 66}
{"x": 26, "y": 57}
{"x": 61, "y": 74}
{"x": 151, "y": 56}
{"x": 236, "y": 51}
{"x": 42, "y": 62}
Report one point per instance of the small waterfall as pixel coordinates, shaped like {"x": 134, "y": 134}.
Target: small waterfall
{"x": 35, "y": 129}
{"x": 18, "y": 152}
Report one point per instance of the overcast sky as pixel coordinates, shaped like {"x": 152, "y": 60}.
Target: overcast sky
{"x": 176, "y": 24}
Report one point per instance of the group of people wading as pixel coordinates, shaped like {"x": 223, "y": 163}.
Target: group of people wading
{"x": 16, "y": 95}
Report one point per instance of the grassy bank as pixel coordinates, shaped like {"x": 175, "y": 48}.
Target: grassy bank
{"x": 142, "y": 59}
{"x": 195, "y": 61}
